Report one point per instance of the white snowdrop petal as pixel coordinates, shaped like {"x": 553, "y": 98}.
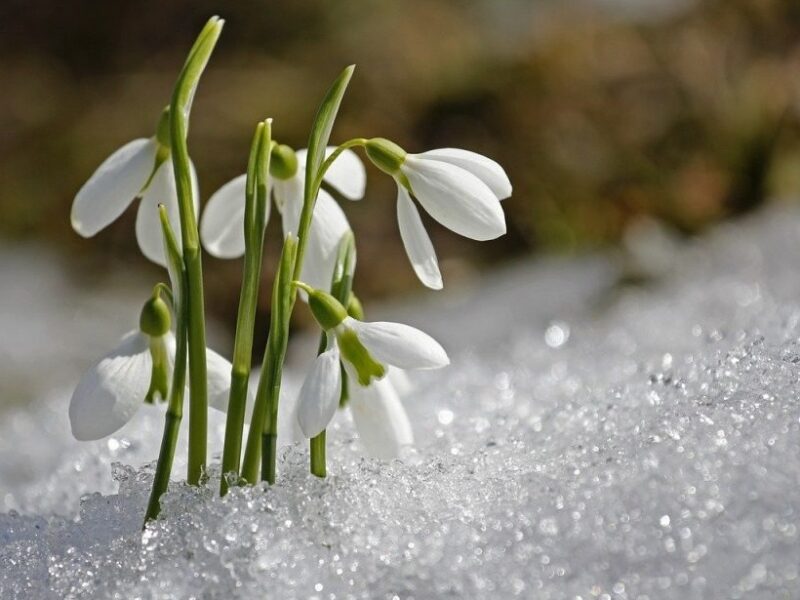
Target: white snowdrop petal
{"x": 112, "y": 390}
{"x": 288, "y": 191}
{"x": 399, "y": 345}
{"x": 148, "y": 225}
{"x": 380, "y": 419}
{"x": 456, "y": 198}
{"x": 289, "y": 200}
{"x": 484, "y": 168}
{"x": 347, "y": 174}
{"x": 222, "y": 224}
{"x": 416, "y": 241}
{"x": 113, "y": 186}
{"x": 400, "y": 381}
{"x": 320, "y": 393}
{"x": 171, "y": 344}
{"x": 328, "y": 225}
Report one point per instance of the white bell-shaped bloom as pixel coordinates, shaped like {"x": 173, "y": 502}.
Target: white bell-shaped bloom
{"x": 113, "y": 389}
{"x": 398, "y": 345}
{"x": 366, "y": 349}
{"x": 222, "y": 225}
{"x": 462, "y": 190}
{"x": 380, "y": 419}
{"x": 125, "y": 175}
{"x": 320, "y": 393}
{"x": 110, "y": 393}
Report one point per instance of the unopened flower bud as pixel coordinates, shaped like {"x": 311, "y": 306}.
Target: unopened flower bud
{"x": 283, "y": 162}
{"x": 327, "y": 310}
{"x": 386, "y": 155}
{"x": 155, "y": 318}
{"x": 354, "y": 308}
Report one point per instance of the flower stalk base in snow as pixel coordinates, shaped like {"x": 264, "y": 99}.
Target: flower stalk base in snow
{"x": 256, "y": 198}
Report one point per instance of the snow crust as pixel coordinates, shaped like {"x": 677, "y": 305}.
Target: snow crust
{"x": 590, "y": 441}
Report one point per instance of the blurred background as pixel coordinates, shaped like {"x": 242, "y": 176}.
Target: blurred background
{"x": 606, "y": 114}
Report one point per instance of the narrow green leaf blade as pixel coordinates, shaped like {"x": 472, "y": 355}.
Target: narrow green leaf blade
{"x": 323, "y": 124}
{"x": 196, "y": 62}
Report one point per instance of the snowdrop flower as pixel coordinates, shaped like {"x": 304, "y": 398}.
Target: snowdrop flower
{"x": 366, "y": 349}
{"x": 222, "y": 224}
{"x": 462, "y": 190}
{"x": 138, "y": 370}
{"x": 380, "y": 419}
{"x": 141, "y": 168}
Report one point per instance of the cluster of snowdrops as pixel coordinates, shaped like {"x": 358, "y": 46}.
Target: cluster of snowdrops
{"x": 359, "y": 362}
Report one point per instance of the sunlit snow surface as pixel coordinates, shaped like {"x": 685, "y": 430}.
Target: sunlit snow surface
{"x": 585, "y": 444}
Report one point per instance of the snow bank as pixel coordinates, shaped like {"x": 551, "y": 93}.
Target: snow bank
{"x": 588, "y": 442}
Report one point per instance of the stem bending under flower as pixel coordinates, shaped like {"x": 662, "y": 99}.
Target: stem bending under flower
{"x": 341, "y": 286}
{"x": 179, "y": 125}
{"x": 174, "y": 414}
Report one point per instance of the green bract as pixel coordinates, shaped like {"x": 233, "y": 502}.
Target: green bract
{"x": 386, "y": 155}
{"x": 354, "y": 352}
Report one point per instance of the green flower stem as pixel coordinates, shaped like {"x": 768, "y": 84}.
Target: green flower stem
{"x": 174, "y": 414}
{"x": 341, "y": 286}
{"x": 265, "y": 416}
{"x": 256, "y": 198}
{"x": 354, "y": 143}
{"x": 267, "y": 433}
{"x": 318, "y": 464}
{"x": 180, "y": 108}
{"x": 164, "y": 291}
{"x": 264, "y": 423}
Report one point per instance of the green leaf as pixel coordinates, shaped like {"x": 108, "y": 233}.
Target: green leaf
{"x": 323, "y": 124}
{"x": 263, "y": 161}
{"x": 196, "y": 62}
{"x": 251, "y": 182}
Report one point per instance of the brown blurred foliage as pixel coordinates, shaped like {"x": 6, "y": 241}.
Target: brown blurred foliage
{"x": 600, "y": 111}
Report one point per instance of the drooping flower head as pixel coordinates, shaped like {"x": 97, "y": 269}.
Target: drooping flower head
{"x": 366, "y": 349}
{"x": 462, "y": 190}
{"x": 137, "y": 371}
{"x": 222, "y": 223}
{"x": 140, "y": 169}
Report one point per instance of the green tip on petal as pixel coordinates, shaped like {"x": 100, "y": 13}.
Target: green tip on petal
{"x": 160, "y": 372}
{"x": 354, "y": 352}
{"x": 386, "y": 155}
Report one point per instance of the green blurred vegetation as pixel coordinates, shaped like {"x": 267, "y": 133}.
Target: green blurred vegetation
{"x": 600, "y": 111}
